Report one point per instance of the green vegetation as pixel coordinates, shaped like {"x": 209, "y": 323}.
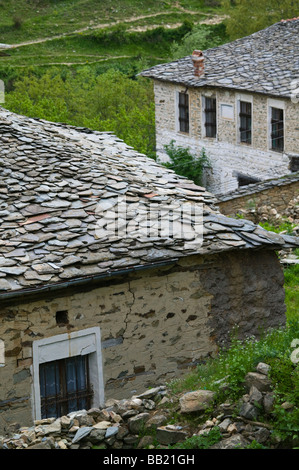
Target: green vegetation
{"x": 225, "y": 374}
{"x": 291, "y": 273}
{"x": 292, "y": 291}
{"x": 200, "y": 37}
{"x": 204, "y": 441}
{"x": 184, "y": 163}
{"x": 110, "y": 101}
{"x": 77, "y": 61}
{"x": 278, "y": 227}
{"x": 102, "y": 45}
{"x": 248, "y": 16}
{"x": 34, "y": 19}
{"x": 40, "y": 18}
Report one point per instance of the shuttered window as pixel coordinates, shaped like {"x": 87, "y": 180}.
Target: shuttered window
{"x": 184, "y": 112}
{"x": 210, "y": 117}
{"x": 64, "y": 386}
{"x": 245, "y": 122}
{"x": 277, "y": 129}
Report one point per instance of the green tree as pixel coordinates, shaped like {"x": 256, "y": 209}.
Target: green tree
{"x": 249, "y": 16}
{"x": 185, "y": 164}
{"x": 110, "y": 101}
{"x": 201, "y": 37}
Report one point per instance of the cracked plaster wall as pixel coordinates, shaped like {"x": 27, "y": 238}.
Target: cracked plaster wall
{"x": 154, "y": 324}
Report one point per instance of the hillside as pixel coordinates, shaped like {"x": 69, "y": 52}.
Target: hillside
{"x": 51, "y": 33}
{"x": 77, "y": 61}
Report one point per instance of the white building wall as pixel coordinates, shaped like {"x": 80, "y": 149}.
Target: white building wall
{"x": 227, "y": 156}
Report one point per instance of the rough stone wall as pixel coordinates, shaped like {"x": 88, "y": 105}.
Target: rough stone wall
{"x": 252, "y": 296}
{"x": 154, "y": 325}
{"x": 227, "y": 156}
{"x": 277, "y": 193}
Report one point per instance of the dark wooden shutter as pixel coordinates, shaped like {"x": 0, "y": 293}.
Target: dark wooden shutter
{"x": 210, "y": 117}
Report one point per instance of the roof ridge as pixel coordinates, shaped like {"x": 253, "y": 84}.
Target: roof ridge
{"x": 264, "y": 62}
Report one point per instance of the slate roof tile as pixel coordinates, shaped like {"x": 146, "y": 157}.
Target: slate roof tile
{"x": 58, "y": 210}
{"x": 264, "y": 62}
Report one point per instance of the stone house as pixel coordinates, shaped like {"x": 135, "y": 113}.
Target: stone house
{"x": 116, "y": 274}
{"x": 239, "y": 102}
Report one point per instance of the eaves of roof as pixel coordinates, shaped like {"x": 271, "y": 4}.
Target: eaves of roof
{"x": 265, "y": 62}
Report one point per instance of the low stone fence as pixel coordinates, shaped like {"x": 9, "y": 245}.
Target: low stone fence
{"x": 277, "y": 192}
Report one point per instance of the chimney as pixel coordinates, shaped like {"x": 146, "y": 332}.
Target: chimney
{"x": 198, "y": 63}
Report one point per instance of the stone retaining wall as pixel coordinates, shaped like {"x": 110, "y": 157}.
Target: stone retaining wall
{"x": 277, "y": 192}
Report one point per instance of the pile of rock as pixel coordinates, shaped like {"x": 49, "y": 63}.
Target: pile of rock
{"x": 269, "y": 213}
{"x": 117, "y": 426}
{"x": 141, "y": 422}
{"x": 238, "y": 422}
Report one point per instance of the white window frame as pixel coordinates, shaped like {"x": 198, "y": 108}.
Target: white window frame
{"x": 273, "y": 103}
{"x": 247, "y": 99}
{"x": 2, "y": 353}
{"x": 66, "y": 345}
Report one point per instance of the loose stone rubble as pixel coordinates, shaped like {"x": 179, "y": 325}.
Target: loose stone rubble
{"x": 268, "y": 213}
{"x": 143, "y": 421}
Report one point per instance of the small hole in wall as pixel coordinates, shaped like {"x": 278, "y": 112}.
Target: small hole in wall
{"x": 170, "y": 315}
{"x": 62, "y": 317}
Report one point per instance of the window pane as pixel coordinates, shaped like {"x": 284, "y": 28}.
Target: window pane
{"x": 277, "y": 130}
{"x": 49, "y": 389}
{"x": 64, "y": 386}
{"x": 245, "y": 122}
{"x": 184, "y": 112}
{"x": 210, "y": 117}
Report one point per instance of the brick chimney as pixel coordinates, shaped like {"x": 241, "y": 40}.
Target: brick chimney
{"x": 198, "y": 63}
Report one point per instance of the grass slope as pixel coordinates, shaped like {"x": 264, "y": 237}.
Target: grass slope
{"x": 67, "y": 31}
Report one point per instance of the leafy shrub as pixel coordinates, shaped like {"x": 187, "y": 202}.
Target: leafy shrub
{"x": 185, "y": 164}
{"x": 120, "y": 35}
{"x": 203, "y": 441}
{"x": 279, "y": 226}
{"x": 200, "y": 37}
{"x": 110, "y": 101}
{"x": 17, "y": 22}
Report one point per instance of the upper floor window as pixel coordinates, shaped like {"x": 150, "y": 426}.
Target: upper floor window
{"x": 245, "y": 121}
{"x": 210, "y": 117}
{"x": 183, "y": 112}
{"x": 277, "y": 129}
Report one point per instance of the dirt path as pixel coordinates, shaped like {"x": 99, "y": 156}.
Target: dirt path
{"x": 210, "y": 20}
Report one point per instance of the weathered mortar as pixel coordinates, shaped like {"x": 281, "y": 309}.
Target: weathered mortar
{"x": 154, "y": 325}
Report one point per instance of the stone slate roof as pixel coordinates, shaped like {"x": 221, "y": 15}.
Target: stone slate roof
{"x": 264, "y": 62}
{"x": 254, "y": 188}
{"x": 54, "y": 178}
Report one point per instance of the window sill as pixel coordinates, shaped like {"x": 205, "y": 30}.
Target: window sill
{"x": 246, "y": 144}
{"x": 183, "y": 133}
